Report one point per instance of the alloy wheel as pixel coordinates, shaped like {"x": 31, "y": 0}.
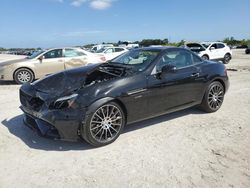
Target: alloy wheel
{"x": 215, "y": 96}
{"x": 106, "y": 123}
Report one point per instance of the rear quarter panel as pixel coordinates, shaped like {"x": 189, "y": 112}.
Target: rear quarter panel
{"x": 215, "y": 71}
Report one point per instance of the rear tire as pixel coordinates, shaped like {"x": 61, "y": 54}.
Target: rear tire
{"x": 104, "y": 125}
{"x": 205, "y": 57}
{"x": 23, "y": 75}
{"x": 213, "y": 97}
{"x": 227, "y": 58}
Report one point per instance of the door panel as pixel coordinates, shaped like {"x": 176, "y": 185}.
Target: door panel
{"x": 52, "y": 62}
{"x": 49, "y": 66}
{"x": 180, "y": 87}
{"x": 213, "y": 53}
{"x": 172, "y": 90}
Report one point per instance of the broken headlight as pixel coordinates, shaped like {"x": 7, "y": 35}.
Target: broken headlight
{"x": 65, "y": 102}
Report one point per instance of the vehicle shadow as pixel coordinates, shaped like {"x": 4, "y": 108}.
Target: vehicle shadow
{"x": 16, "y": 127}
{"x": 2, "y": 82}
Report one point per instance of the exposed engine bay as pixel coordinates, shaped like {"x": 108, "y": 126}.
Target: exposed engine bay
{"x": 104, "y": 73}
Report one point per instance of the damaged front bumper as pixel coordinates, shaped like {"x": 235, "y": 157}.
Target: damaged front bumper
{"x": 63, "y": 124}
{"x": 55, "y": 124}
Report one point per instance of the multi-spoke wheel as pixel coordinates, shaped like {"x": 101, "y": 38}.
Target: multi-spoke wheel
{"x": 227, "y": 58}
{"x": 23, "y": 75}
{"x": 105, "y": 125}
{"x": 213, "y": 98}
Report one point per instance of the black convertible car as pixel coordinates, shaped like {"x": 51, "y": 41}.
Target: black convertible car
{"x": 96, "y": 101}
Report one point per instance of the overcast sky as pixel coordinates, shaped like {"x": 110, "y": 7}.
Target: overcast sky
{"x": 54, "y": 23}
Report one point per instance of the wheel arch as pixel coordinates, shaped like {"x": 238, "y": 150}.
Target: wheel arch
{"x": 23, "y": 68}
{"x": 92, "y": 107}
{"x": 122, "y": 105}
{"x": 221, "y": 81}
{"x": 228, "y": 53}
{"x": 206, "y": 56}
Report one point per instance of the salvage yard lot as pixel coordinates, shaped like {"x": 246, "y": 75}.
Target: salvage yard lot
{"x": 183, "y": 149}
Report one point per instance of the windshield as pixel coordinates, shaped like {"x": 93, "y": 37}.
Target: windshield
{"x": 101, "y": 50}
{"x": 139, "y": 58}
{"x": 35, "y": 54}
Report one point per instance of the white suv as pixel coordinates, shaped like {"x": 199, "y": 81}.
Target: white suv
{"x": 111, "y": 52}
{"x": 212, "y": 51}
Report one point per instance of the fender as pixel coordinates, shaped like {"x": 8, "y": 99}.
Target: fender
{"x": 97, "y": 104}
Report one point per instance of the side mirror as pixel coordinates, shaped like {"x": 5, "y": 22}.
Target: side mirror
{"x": 212, "y": 48}
{"x": 168, "y": 69}
{"x": 41, "y": 58}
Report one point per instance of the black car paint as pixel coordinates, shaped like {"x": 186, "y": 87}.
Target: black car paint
{"x": 142, "y": 95}
{"x": 247, "y": 51}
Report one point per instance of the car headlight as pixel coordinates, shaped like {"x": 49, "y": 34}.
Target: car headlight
{"x": 65, "y": 102}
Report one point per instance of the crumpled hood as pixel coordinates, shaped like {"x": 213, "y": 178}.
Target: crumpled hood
{"x": 64, "y": 83}
{"x": 10, "y": 62}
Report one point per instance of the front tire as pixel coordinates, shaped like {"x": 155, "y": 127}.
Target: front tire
{"x": 227, "y": 58}
{"x": 105, "y": 125}
{"x": 213, "y": 97}
{"x": 23, "y": 75}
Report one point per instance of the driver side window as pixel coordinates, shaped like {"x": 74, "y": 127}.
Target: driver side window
{"x": 214, "y": 46}
{"x": 177, "y": 58}
{"x": 53, "y": 54}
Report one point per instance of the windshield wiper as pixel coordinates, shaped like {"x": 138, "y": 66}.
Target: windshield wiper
{"x": 116, "y": 64}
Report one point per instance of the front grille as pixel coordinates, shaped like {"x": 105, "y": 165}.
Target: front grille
{"x": 30, "y": 102}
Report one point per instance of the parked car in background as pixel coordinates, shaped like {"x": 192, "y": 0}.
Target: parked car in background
{"x": 43, "y": 63}
{"x": 247, "y": 51}
{"x": 100, "y": 46}
{"x": 111, "y": 52}
{"x": 96, "y": 102}
{"x": 212, "y": 51}
{"x": 241, "y": 46}
{"x": 128, "y": 45}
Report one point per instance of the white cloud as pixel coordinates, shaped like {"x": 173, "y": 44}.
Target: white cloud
{"x": 95, "y": 4}
{"x": 78, "y": 3}
{"x": 100, "y": 4}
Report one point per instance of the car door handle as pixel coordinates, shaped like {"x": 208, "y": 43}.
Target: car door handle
{"x": 195, "y": 75}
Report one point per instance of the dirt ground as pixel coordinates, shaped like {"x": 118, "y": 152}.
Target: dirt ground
{"x": 183, "y": 149}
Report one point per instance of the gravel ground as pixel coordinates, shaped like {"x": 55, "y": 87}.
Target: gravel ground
{"x": 183, "y": 149}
